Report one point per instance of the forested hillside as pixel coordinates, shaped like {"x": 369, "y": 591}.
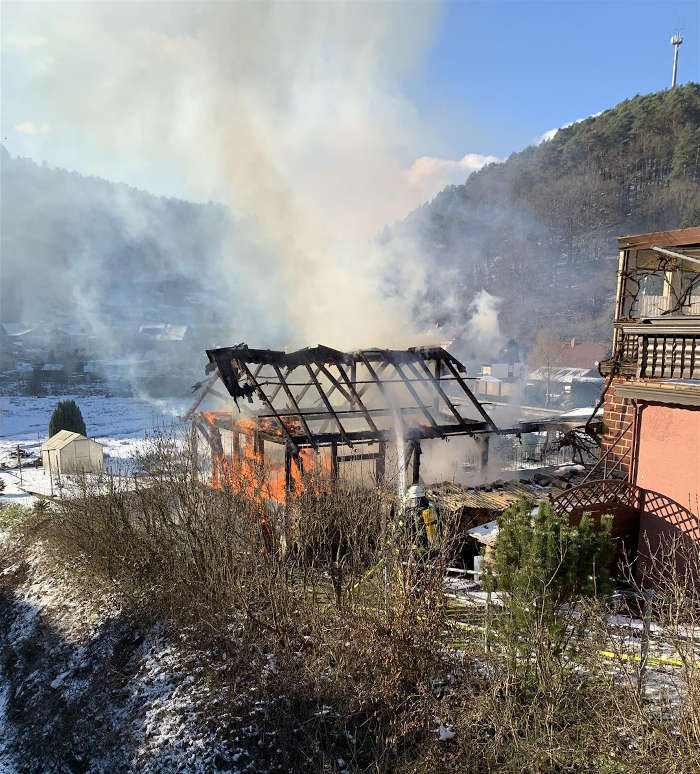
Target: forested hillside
{"x": 537, "y": 231}
{"x": 86, "y": 247}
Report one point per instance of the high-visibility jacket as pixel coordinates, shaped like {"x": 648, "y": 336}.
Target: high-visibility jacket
{"x": 430, "y": 520}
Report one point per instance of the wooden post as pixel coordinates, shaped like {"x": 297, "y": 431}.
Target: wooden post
{"x": 487, "y": 622}
{"x": 19, "y": 462}
{"x": 194, "y": 453}
{"x": 438, "y": 369}
{"x": 259, "y": 449}
{"x": 380, "y": 464}
{"x": 50, "y": 472}
{"x": 416, "y": 462}
{"x": 334, "y": 460}
{"x": 236, "y": 453}
{"x": 483, "y": 446}
{"x": 287, "y": 477}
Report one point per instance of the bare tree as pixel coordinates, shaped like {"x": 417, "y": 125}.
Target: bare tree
{"x": 546, "y": 354}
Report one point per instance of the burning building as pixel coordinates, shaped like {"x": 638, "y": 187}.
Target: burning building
{"x": 319, "y": 408}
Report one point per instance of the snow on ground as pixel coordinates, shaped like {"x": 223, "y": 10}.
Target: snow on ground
{"x": 121, "y": 425}
{"x": 92, "y": 689}
{"x": 7, "y": 735}
{"x": 581, "y": 413}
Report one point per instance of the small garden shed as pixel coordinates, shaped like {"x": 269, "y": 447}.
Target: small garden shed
{"x": 69, "y": 452}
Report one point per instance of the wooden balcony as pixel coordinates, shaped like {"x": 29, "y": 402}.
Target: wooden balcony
{"x": 663, "y": 348}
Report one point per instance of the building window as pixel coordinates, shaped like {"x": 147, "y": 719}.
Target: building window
{"x": 652, "y": 298}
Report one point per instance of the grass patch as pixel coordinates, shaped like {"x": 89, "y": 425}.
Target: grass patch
{"x": 13, "y": 515}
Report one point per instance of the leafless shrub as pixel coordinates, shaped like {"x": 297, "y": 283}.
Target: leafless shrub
{"x": 333, "y": 616}
{"x": 336, "y": 601}
{"x": 655, "y": 644}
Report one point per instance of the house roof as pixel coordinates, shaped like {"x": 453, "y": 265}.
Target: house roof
{"x": 676, "y": 237}
{"x": 414, "y": 389}
{"x": 496, "y": 497}
{"x": 583, "y": 355}
{"x": 163, "y": 331}
{"x": 63, "y": 438}
{"x": 562, "y": 375}
{"x": 60, "y": 439}
{"x": 15, "y": 329}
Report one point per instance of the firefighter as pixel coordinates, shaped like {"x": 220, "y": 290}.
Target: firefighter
{"x": 430, "y": 522}
{"x": 425, "y": 519}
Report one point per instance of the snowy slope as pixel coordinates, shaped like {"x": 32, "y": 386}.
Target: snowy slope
{"x": 120, "y": 424}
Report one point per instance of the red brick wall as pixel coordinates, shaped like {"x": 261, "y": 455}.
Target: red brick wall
{"x": 617, "y": 413}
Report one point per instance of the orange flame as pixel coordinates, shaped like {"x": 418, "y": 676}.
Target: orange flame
{"x": 261, "y": 477}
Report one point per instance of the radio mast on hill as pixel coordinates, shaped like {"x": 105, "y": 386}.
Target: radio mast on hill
{"x": 676, "y": 41}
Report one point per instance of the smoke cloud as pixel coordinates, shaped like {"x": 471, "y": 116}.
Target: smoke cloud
{"x": 292, "y": 114}
{"x": 483, "y": 327}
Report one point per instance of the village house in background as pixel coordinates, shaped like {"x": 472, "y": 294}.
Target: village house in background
{"x": 561, "y": 375}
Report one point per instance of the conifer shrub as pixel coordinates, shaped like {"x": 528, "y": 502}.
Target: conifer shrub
{"x": 67, "y": 416}
{"x": 545, "y": 570}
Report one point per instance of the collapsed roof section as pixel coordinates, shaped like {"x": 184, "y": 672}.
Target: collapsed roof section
{"x": 320, "y": 396}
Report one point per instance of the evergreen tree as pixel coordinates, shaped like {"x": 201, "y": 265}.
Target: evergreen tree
{"x": 686, "y": 153}
{"x": 67, "y": 416}
{"x": 692, "y": 218}
{"x": 542, "y": 566}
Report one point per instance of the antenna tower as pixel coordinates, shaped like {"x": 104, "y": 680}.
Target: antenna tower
{"x": 676, "y": 41}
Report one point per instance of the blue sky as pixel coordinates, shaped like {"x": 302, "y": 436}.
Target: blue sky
{"x": 502, "y": 73}
{"x": 397, "y": 99}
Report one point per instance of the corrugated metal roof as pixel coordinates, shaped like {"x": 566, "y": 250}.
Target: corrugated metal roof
{"x": 677, "y": 237}
{"x": 561, "y": 375}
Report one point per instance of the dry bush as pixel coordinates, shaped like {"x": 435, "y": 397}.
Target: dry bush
{"x": 608, "y": 705}
{"x": 657, "y": 696}
{"x": 335, "y": 602}
{"x": 333, "y": 617}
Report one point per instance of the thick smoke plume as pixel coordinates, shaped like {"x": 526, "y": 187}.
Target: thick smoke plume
{"x": 483, "y": 328}
{"x": 292, "y": 114}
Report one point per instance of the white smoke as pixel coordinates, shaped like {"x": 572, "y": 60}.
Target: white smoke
{"x": 293, "y": 114}
{"x": 483, "y": 328}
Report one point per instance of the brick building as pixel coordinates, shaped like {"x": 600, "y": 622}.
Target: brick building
{"x": 651, "y": 413}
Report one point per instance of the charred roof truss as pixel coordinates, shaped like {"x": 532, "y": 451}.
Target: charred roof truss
{"x": 320, "y": 396}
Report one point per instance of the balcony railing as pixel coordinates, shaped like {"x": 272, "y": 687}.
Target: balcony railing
{"x": 665, "y": 348}
{"x": 658, "y": 305}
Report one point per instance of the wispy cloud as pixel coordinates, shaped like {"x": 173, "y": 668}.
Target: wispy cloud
{"x": 428, "y": 175}
{"x": 549, "y": 134}
{"x": 29, "y": 127}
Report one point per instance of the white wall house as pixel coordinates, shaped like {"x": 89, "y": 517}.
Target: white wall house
{"x": 68, "y": 452}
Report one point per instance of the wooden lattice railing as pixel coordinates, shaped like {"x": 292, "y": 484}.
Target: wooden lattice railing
{"x": 593, "y": 494}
